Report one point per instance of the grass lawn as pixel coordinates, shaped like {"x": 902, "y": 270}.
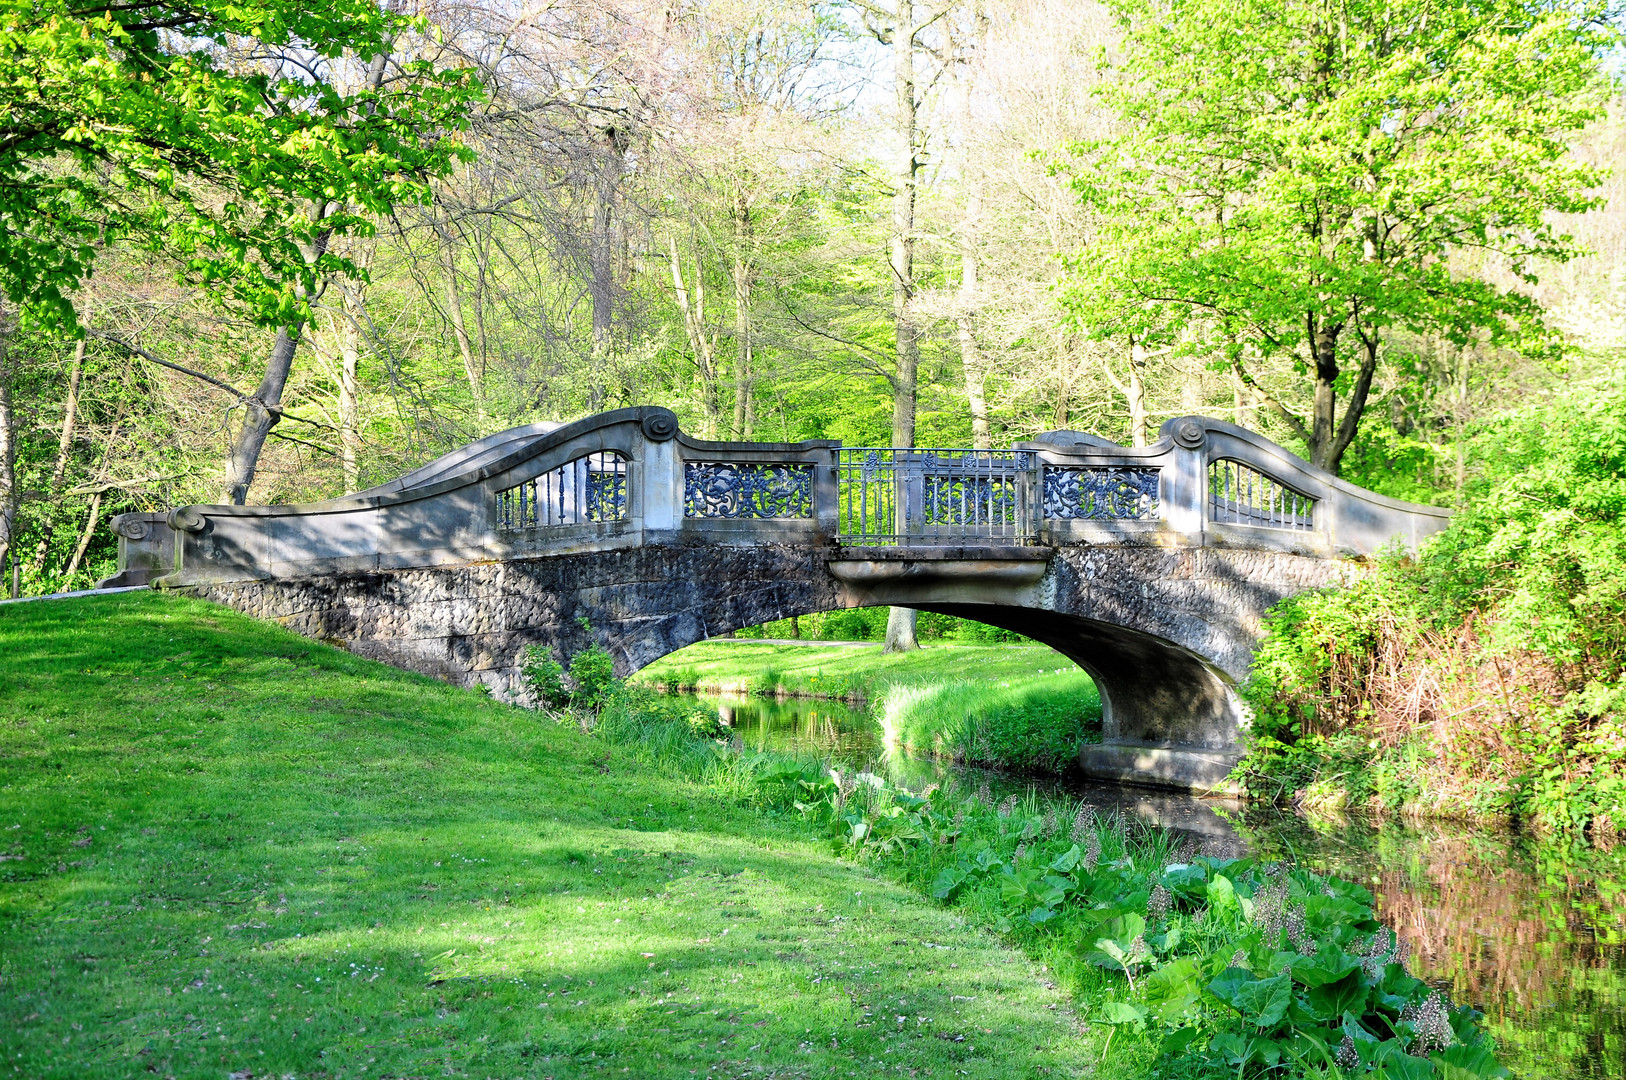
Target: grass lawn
{"x": 844, "y": 671}
{"x": 229, "y": 850}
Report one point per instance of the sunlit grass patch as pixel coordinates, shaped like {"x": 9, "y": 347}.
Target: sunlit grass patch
{"x": 229, "y": 849}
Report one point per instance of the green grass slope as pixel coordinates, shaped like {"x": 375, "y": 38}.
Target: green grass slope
{"x": 845, "y": 670}
{"x": 230, "y": 850}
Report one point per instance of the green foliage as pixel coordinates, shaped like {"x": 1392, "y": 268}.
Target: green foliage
{"x": 593, "y": 672}
{"x": 136, "y": 120}
{"x": 1516, "y": 613}
{"x": 869, "y": 624}
{"x": 544, "y": 678}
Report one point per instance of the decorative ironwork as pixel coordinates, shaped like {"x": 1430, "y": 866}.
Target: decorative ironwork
{"x": 589, "y": 489}
{"x": 718, "y": 489}
{"x": 903, "y": 496}
{"x": 1240, "y": 495}
{"x": 1100, "y": 493}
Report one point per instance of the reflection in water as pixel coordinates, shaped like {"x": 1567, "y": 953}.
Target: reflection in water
{"x": 1532, "y": 933}
{"x": 828, "y": 728}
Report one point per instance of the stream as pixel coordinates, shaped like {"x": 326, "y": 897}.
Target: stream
{"x": 1533, "y": 932}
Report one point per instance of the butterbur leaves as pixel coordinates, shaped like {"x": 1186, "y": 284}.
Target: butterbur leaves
{"x": 948, "y": 882}
{"x": 1120, "y": 1013}
{"x": 1264, "y": 1002}
{"x": 1067, "y": 860}
{"x": 1172, "y": 990}
{"x": 1463, "y": 1062}
{"x": 1330, "y": 1000}
{"x": 1329, "y": 965}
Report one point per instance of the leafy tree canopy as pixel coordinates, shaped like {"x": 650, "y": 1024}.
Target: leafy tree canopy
{"x": 1307, "y": 175}
{"x": 232, "y": 132}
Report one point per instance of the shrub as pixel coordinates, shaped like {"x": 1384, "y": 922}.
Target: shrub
{"x": 544, "y": 678}
{"x": 593, "y": 672}
{"x": 1485, "y": 675}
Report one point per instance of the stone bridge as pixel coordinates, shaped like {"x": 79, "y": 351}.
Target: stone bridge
{"x": 1150, "y": 567}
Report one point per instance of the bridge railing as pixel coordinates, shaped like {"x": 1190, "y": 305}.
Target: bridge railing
{"x": 630, "y": 477}
{"x": 891, "y": 496}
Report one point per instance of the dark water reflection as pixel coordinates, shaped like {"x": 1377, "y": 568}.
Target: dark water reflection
{"x": 1533, "y": 933}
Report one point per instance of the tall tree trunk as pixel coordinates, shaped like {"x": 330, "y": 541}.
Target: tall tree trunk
{"x": 64, "y": 448}
{"x": 972, "y": 362}
{"x": 971, "y": 358}
{"x": 263, "y": 408}
{"x": 1323, "y": 338}
{"x": 454, "y": 312}
{"x": 744, "y": 420}
{"x": 1139, "y": 427}
{"x": 900, "y": 623}
{"x": 350, "y": 392}
{"x": 9, "y": 495}
{"x": 84, "y": 537}
{"x": 1460, "y": 419}
{"x": 602, "y": 255}
{"x": 694, "y": 325}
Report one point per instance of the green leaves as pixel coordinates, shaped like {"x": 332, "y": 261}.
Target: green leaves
{"x": 1297, "y": 183}
{"x": 241, "y": 167}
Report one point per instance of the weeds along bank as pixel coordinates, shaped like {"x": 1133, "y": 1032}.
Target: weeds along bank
{"x": 1482, "y": 678}
{"x": 1017, "y": 707}
{"x": 1194, "y": 967}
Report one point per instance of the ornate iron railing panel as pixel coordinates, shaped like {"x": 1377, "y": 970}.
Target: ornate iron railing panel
{"x": 589, "y": 489}
{"x": 722, "y": 489}
{"x": 890, "y": 496}
{"x": 1100, "y": 493}
{"x": 1240, "y": 495}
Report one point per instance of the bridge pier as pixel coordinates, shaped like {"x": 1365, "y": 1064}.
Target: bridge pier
{"x": 1150, "y": 567}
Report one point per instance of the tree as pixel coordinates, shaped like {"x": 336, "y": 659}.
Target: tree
{"x": 241, "y": 137}
{"x": 903, "y": 27}
{"x": 1301, "y": 174}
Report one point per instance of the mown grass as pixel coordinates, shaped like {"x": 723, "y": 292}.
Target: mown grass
{"x": 1034, "y": 725}
{"x": 845, "y": 671}
{"x": 231, "y": 850}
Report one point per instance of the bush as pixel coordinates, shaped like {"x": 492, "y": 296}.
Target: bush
{"x": 544, "y": 678}
{"x": 1485, "y": 675}
{"x": 593, "y": 672}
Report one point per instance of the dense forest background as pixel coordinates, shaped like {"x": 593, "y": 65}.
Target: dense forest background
{"x": 1367, "y": 230}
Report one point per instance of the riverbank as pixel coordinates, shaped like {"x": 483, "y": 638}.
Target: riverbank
{"x": 1484, "y": 677}
{"x": 230, "y": 850}
{"x": 1200, "y": 966}
{"x": 1021, "y": 707}
{"x": 842, "y": 671}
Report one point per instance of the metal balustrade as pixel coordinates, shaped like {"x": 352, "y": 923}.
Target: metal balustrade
{"x": 1239, "y": 495}
{"x": 746, "y": 490}
{"x": 892, "y": 495}
{"x": 1100, "y": 493}
{"x": 589, "y": 489}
